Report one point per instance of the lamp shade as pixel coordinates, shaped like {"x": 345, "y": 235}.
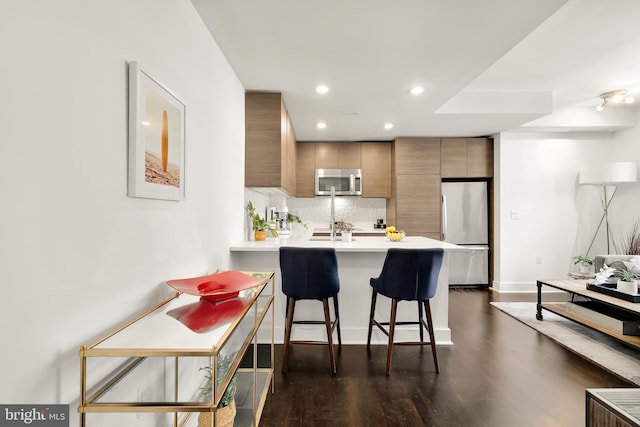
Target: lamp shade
{"x": 609, "y": 173}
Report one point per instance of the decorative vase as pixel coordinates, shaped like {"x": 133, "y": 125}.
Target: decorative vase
{"x": 224, "y": 416}
{"x": 585, "y": 268}
{"x": 260, "y": 234}
{"x": 346, "y": 236}
{"x": 630, "y": 288}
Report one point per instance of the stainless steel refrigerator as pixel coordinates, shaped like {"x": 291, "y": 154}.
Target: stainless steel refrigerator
{"x": 465, "y": 222}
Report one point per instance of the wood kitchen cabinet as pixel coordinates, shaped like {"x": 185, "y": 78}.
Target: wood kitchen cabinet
{"x": 415, "y": 202}
{"x": 376, "y": 169}
{"x": 305, "y": 169}
{"x": 467, "y": 158}
{"x": 337, "y": 155}
{"x": 270, "y": 143}
{"x": 417, "y": 156}
{"x": 323, "y": 155}
{"x": 418, "y": 205}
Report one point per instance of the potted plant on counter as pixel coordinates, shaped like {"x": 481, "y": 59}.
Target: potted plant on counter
{"x": 291, "y": 219}
{"x": 585, "y": 262}
{"x": 259, "y": 224}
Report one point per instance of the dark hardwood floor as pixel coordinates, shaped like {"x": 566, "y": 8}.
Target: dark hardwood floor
{"x": 498, "y": 373}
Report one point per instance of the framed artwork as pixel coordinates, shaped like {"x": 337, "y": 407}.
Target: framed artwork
{"x": 156, "y": 139}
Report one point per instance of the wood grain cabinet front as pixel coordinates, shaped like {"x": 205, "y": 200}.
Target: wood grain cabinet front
{"x": 418, "y": 205}
{"x": 376, "y": 169}
{"x": 467, "y": 158}
{"x": 270, "y": 143}
{"x": 415, "y": 201}
{"x": 337, "y": 155}
{"x": 305, "y": 169}
{"x": 324, "y": 155}
{"x": 417, "y": 156}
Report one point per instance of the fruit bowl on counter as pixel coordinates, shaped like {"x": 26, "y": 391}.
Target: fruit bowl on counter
{"x": 393, "y": 234}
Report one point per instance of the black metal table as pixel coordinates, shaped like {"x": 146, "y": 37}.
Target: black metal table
{"x": 579, "y": 288}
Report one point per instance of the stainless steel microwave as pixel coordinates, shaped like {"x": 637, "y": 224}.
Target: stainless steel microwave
{"x": 347, "y": 182}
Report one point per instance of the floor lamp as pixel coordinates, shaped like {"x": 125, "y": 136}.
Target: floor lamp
{"x": 607, "y": 175}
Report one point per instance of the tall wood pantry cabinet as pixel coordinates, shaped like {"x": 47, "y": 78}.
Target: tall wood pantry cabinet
{"x": 414, "y": 205}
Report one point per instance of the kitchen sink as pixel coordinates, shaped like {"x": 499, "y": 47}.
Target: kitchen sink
{"x": 328, "y": 230}
{"x": 327, "y": 238}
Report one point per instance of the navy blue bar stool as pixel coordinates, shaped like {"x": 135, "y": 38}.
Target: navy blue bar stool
{"x": 310, "y": 274}
{"x": 407, "y": 275}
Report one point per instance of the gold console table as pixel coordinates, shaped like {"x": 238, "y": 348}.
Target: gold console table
{"x": 155, "y": 366}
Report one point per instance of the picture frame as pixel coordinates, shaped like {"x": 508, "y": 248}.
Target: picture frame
{"x": 156, "y": 139}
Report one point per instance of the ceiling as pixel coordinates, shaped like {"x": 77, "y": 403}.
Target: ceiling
{"x": 486, "y": 66}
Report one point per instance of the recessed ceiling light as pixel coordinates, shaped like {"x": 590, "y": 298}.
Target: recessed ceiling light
{"x": 388, "y": 126}
{"x": 321, "y": 125}
{"x": 322, "y": 89}
{"x": 417, "y": 90}
{"x": 145, "y": 123}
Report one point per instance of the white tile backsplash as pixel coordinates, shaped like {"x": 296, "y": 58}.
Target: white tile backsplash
{"x": 316, "y": 212}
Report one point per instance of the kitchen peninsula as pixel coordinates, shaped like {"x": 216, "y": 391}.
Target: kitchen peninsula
{"x": 358, "y": 261}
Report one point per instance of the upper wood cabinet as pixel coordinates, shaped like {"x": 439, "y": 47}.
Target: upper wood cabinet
{"x": 337, "y": 155}
{"x": 467, "y": 158}
{"x": 376, "y": 169}
{"x": 270, "y": 143}
{"x": 453, "y": 153}
{"x": 305, "y": 169}
{"x": 480, "y": 157}
{"x": 419, "y": 156}
{"x": 323, "y": 155}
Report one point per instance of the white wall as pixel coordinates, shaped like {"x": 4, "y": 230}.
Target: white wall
{"x": 77, "y": 256}
{"x": 537, "y": 175}
{"x": 625, "y": 208}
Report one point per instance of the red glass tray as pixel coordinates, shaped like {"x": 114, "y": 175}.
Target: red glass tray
{"x": 204, "y": 316}
{"x": 217, "y": 286}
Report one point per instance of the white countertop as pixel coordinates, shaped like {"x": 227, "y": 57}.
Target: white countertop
{"x": 358, "y": 244}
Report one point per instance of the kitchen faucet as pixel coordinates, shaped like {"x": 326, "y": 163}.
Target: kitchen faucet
{"x": 332, "y": 226}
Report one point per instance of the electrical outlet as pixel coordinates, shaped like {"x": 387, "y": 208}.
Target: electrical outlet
{"x": 515, "y": 214}
{"x": 539, "y": 260}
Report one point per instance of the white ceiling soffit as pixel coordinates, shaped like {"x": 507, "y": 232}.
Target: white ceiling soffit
{"x": 486, "y": 66}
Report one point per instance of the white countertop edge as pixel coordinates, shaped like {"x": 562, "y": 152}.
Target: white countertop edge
{"x": 359, "y": 244}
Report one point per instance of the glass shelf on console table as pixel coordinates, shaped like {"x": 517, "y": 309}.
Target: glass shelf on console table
{"x": 603, "y": 307}
{"x": 153, "y": 370}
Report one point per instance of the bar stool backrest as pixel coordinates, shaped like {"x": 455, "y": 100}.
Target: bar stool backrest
{"x": 409, "y": 274}
{"x": 309, "y": 273}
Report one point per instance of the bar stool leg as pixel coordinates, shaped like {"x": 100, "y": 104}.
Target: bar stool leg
{"x": 420, "y": 321}
{"x": 432, "y": 337}
{"x": 373, "y": 307}
{"x": 337, "y": 316}
{"x": 392, "y": 328}
{"x": 291, "y": 304}
{"x": 327, "y": 321}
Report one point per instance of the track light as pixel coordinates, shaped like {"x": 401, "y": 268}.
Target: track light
{"x": 614, "y": 97}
